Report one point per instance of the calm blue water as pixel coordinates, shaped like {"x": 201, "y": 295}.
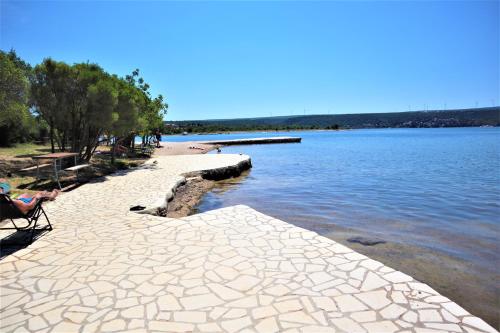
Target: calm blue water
{"x": 436, "y": 188}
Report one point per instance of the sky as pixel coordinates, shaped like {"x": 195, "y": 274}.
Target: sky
{"x": 221, "y": 59}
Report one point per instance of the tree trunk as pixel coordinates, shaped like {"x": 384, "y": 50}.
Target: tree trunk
{"x": 52, "y": 148}
{"x": 63, "y": 141}
{"x": 57, "y": 137}
{"x": 113, "y": 151}
{"x": 75, "y": 140}
{"x": 91, "y": 144}
{"x": 93, "y": 150}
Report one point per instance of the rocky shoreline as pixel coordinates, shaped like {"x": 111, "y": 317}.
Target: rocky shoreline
{"x": 188, "y": 193}
{"x": 187, "y": 196}
{"x": 430, "y": 267}
{"x": 421, "y": 263}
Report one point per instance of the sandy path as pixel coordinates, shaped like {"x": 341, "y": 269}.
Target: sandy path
{"x": 182, "y": 148}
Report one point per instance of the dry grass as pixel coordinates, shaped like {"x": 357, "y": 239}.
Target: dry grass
{"x": 24, "y": 150}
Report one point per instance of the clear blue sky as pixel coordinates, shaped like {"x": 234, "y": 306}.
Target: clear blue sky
{"x": 249, "y": 59}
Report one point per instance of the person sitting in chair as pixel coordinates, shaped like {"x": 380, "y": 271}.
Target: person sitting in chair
{"x": 26, "y": 202}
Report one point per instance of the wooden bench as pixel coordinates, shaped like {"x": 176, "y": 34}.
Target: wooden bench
{"x": 77, "y": 167}
{"x": 34, "y": 167}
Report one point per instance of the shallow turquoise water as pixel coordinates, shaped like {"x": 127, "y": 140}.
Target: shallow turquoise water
{"x": 434, "y": 188}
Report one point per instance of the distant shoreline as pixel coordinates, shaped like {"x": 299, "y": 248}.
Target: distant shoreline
{"x": 320, "y": 130}
{"x": 261, "y": 131}
{"x": 472, "y": 117}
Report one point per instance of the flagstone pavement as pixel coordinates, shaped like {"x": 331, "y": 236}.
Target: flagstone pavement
{"x": 105, "y": 269}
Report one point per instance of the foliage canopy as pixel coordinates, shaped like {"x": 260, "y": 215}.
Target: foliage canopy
{"x": 80, "y": 104}
{"x": 16, "y": 122}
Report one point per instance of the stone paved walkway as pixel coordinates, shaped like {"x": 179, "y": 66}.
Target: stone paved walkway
{"x": 105, "y": 269}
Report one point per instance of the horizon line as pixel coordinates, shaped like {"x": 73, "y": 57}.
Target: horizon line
{"x": 338, "y": 114}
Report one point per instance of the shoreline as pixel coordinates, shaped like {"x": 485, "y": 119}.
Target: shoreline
{"x": 433, "y": 267}
{"x": 188, "y": 196}
{"x": 320, "y": 130}
{"x": 263, "y": 131}
{"x": 280, "y": 261}
{"x": 423, "y": 264}
{"x": 187, "y": 192}
{"x": 426, "y": 265}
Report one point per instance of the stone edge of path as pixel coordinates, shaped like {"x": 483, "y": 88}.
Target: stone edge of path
{"x": 213, "y": 174}
{"x": 473, "y": 322}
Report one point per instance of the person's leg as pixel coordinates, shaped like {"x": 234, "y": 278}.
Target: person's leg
{"x": 23, "y": 206}
{"x": 26, "y": 207}
{"x": 40, "y": 195}
{"x": 49, "y": 195}
{"x": 52, "y": 195}
{"x": 26, "y": 195}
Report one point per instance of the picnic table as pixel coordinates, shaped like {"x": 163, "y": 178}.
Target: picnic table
{"x": 56, "y": 159}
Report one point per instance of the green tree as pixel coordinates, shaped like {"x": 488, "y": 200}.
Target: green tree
{"x": 49, "y": 96}
{"x": 151, "y": 110}
{"x": 76, "y": 101}
{"x": 100, "y": 115}
{"x": 82, "y": 103}
{"x": 16, "y": 122}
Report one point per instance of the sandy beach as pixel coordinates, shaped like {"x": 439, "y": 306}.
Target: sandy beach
{"x": 182, "y": 148}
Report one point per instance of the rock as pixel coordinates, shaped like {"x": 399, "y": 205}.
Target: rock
{"x": 366, "y": 241}
{"x": 226, "y": 172}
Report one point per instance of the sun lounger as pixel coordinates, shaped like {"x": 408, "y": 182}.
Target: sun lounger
{"x": 9, "y": 211}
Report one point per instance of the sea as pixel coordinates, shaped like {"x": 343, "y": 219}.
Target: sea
{"x": 431, "y": 187}
{"x": 432, "y": 194}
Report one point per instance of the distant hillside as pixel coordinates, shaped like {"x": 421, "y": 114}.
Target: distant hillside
{"x": 433, "y": 118}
